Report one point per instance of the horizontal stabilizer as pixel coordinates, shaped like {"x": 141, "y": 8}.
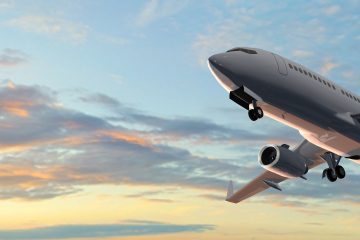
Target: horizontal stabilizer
{"x": 272, "y": 184}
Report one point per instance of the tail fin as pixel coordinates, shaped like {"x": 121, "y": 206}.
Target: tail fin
{"x": 230, "y": 190}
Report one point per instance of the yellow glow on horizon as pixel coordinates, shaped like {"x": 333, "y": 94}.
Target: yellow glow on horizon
{"x": 106, "y": 204}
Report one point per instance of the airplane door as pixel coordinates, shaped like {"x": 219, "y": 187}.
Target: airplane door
{"x": 281, "y": 64}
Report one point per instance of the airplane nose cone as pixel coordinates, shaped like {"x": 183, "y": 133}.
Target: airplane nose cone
{"x": 213, "y": 59}
{"x": 217, "y": 66}
{"x": 217, "y": 60}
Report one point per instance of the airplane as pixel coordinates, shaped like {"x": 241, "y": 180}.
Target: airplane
{"x": 324, "y": 113}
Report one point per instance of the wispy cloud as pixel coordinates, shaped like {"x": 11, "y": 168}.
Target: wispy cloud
{"x": 6, "y": 4}
{"x": 328, "y": 66}
{"x": 12, "y": 57}
{"x": 231, "y": 29}
{"x": 74, "y": 32}
{"x": 113, "y": 39}
{"x": 331, "y": 10}
{"x": 157, "y": 9}
{"x": 302, "y": 53}
{"x": 138, "y": 228}
{"x": 101, "y": 99}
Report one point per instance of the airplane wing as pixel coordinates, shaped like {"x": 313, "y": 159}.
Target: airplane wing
{"x": 269, "y": 179}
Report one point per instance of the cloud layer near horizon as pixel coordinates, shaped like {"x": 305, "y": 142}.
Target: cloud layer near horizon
{"x": 49, "y": 150}
{"x": 131, "y": 228}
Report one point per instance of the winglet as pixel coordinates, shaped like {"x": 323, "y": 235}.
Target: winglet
{"x": 230, "y": 191}
{"x": 272, "y": 184}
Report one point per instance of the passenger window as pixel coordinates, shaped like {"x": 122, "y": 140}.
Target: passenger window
{"x": 310, "y": 75}
{"x": 295, "y": 68}
{"x": 290, "y": 66}
{"x": 328, "y": 84}
{"x": 333, "y": 87}
{"x": 300, "y": 70}
{"x": 305, "y": 73}
{"x": 342, "y": 91}
{"x": 347, "y": 94}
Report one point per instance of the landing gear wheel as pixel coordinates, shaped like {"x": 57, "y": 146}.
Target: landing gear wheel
{"x": 253, "y": 115}
{"x": 340, "y": 172}
{"x": 331, "y": 175}
{"x": 259, "y": 112}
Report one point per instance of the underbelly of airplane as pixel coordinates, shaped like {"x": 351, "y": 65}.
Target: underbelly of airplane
{"x": 330, "y": 140}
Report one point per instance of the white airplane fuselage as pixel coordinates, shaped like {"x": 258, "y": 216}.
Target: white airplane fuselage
{"x": 324, "y": 113}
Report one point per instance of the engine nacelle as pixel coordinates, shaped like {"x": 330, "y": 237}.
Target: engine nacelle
{"x": 282, "y": 161}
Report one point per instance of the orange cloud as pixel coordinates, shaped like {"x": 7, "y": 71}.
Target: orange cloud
{"x": 126, "y": 137}
{"x": 16, "y": 108}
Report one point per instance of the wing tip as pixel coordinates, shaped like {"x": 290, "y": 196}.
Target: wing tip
{"x": 230, "y": 191}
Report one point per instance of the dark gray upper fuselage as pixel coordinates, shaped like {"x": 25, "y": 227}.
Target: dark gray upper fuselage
{"x": 311, "y": 97}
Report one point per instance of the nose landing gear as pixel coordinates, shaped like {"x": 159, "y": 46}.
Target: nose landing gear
{"x": 334, "y": 171}
{"x": 256, "y": 112}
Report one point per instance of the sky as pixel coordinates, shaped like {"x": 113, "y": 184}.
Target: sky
{"x": 112, "y": 126}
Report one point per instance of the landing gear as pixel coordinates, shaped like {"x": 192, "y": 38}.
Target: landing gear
{"x": 340, "y": 172}
{"x": 334, "y": 171}
{"x": 331, "y": 175}
{"x": 256, "y": 112}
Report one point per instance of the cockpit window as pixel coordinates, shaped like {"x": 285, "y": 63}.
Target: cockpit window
{"x": 245, "y": 50}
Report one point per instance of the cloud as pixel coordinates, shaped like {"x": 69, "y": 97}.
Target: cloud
{"x": 12, "y": 57}
{"x": 53, "y": 151}
{"x": 113, "y": 39}
{"x": 156, "y": 9}
{"x": 51, "y": 26}
{"x": 101, "y": 99}
{"x": 6, "y": 4}
{"x": 237, "y": 26}
{"x": 137, "y": 228}
{"x": 302, "y": 53}
{"x": 328, "y": 66}
{"x": 331, "y": 10}
{"x": 50, "y": 151}
{"x": 163, "y": 130}
{"x": 152, "y": 196}
{"x": 263, "y": 26}
{"x": 213, "y": 197}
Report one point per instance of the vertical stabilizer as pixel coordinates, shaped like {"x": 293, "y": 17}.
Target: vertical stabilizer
{"x": 230, "y": 191}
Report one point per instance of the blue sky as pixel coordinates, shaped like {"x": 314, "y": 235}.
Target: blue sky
{"x": 111, "y": 103}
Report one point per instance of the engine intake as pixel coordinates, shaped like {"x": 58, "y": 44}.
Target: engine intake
{"x": 282, "y": 161}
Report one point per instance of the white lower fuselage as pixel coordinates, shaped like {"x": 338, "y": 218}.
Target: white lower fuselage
{"x": 330, "y": 140}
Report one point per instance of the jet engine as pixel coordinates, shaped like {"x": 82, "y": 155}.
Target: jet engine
{"x": 282, "y": 161}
